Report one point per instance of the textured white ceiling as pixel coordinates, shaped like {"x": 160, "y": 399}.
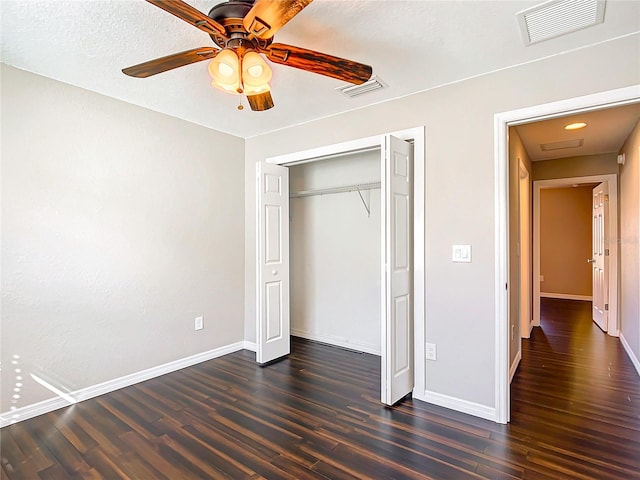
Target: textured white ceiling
{"x": 412, "y": 46}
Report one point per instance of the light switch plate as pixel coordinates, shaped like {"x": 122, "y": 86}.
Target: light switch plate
{"x": 461, "y": 253}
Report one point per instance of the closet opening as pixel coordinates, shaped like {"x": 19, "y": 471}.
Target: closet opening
{"x": 334, "y": 256}
{"x": 340, "y": 254}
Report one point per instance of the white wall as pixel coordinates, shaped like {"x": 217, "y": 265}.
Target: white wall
{"x": 460, "y": 185}
{"x": 119, "y": 226}
{"x": 630, "y": 246}
{"x": 335, "y": 254}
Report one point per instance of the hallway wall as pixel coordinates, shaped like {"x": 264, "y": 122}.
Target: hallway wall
{"x": 517, "y": 152}
{"x": 565, "y": 241}
{"x": 630, "y": 246}
{"x": 580, "y": 166}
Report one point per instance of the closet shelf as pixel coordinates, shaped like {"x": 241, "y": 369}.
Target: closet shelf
{"x": 356, "y": 187}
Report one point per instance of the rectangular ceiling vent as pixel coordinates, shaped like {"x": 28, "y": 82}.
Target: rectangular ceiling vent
{"x": 555, "y": 18}
{"x": 374, "y": 83}
{"x": 547, "y": 147}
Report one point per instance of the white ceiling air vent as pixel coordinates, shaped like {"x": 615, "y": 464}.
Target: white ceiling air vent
{"x": 374, "y": 83}
{"x": 555, "y": 18}
{"x": 546, "y": 147}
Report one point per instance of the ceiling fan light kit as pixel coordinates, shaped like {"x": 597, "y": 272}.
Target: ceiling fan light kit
{"x": 244, "y": 29}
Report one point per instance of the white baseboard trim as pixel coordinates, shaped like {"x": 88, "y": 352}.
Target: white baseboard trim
{"x": 46, "y": 406}
{"x": 338, "y": 342}
{"x": 514, "y": 365}
{"x": 632, "y": 356}
{"x": 566, "y": 296}
{"x": 251, "y": 346}
{"x": 33, "y": 410}
{"x": 527, "y": 334}
{"x": 459, "y": 405}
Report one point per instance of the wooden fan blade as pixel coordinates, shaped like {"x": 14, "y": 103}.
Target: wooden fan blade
{"x": 260, "y": 101}
{"x": 266, "y": 17}
{"x": 190, "y": 15}
{"x": 170, "y": 62}
{"x": 316, "y": 62}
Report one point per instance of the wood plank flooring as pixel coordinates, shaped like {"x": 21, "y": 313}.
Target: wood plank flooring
{"x": 316, "y": 415}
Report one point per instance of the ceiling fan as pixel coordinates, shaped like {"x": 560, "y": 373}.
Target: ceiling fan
{"x": 242, "y": 30}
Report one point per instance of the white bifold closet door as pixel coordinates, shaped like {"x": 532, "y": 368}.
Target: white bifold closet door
{"x": 397, "y": 302}
{"x": 272, "y": 338}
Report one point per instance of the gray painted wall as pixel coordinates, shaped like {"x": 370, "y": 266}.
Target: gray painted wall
{"x": 460, "y": 187}
{"x": 119, "y": 226}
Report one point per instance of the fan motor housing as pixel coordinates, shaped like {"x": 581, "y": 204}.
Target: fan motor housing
{"x": 230, "y": 15}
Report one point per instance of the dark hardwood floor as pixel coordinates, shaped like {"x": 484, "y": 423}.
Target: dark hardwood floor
{"x": 575, "y": 414}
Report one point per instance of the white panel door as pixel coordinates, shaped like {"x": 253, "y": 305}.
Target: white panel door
{"x": 525, "y": 251}
{"x": 397, "y": 295}
{"x": 272, "y": 291}
{"x": 600, "y": 259}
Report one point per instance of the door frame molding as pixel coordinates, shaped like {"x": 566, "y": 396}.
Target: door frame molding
{"x": 501, "y": 123}
{"x": 613, "y": 325}
{"x": 417, "y": 136}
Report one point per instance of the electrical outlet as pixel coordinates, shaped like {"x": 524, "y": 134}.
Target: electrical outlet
{"x": 199, "y": 323}
{"x": 431, "y": 351}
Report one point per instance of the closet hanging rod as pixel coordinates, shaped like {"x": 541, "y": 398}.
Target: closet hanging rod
{"x": 326, "y": 191}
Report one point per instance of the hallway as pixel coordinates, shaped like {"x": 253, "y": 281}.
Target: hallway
{"x": 579, "y": 389}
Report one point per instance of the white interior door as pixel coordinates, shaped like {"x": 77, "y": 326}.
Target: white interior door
{"x": 397, "y": 296}
{"x": 600, "y": 259}
{"x": 525, "y": 252}
{"x": 272, "y": 291}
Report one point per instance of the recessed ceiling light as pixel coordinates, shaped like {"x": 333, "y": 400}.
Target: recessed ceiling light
{"x": 575, "y": 126}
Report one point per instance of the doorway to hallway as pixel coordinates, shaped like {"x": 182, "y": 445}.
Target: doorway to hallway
{"x": 582, "y": 389}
